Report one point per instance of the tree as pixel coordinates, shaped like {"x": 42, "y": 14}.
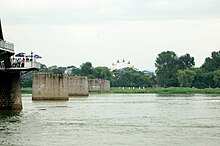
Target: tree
{"x": 126, "y": 80}
{"x": 56, "y": 70}
{"x": 123, "y": 77}
{"x": 216, "y": 78}
{"x": 102, "y": 73}
{"x": 86, "y": 69}
{"x": 43, "y": 68}
{"x": 75, "y": 71}
{"x": 167, "y": 67}
{"x": 142, "y": 80}
{"x": 128, "y": 77}
{"x": 186, "y": 77}
{"x": 203, "y": 79}
{"x": 186, "y": 61}
{"x": 212, "y": 63}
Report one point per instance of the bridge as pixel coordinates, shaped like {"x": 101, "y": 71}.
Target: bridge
{"x": 10, "y": 96}
{"x": 6, "y": 51}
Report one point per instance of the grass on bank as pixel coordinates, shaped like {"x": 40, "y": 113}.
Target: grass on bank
{"x": 163, "y": 91}
{"x": 26, "y": 91}
{"x": 149, "y": 91}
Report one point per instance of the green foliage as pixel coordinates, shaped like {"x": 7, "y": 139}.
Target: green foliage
{"x": 56, "y": 70}
{"x": 186, "y": 61}
{"x": 128, "y": 77}
{"x": 208, "y": 75}
{"x": 52, "y": 69}
{"x": 167, "y": 67}
{"x": 102, "y": 73}
{"x": 166, "y": 59}
{"x": 26, "y": 91}
{"x": 75, "y": 71}
{"x": 168, "y": 64}
{"x": 86, "y": 69}
{"x": 27, "y": 83}
{"x": 43, "y": 68}
{"x": 186, "y": 77}
{"x": 203, "y": 79}
{"x": 212, "y": 63}
{"x": 216, "y": 78}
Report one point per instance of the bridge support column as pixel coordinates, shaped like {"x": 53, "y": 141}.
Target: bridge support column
{"x": 10, "y": 96}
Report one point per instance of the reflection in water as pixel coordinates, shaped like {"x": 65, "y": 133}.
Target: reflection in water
{"x": 113, "y": 119}
{"x": 6, "y": 115}
{"x": 9, "y": 122}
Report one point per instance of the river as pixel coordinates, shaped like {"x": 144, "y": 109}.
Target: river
{"x": 116, "y": 120}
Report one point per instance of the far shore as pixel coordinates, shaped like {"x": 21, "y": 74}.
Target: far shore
{"x": 149, "y": 91}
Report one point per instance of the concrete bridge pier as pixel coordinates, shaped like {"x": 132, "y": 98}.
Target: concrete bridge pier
{"x": 10, "y": 96}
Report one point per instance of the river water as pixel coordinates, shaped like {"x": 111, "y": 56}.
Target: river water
{"x": 115, "y": 119}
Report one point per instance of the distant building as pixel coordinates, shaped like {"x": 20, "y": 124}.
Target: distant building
{"x": 68, "y": 71}
{"x": 148, "y": 72}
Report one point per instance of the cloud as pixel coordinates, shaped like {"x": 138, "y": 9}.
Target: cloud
{"x": 89, "y": 11}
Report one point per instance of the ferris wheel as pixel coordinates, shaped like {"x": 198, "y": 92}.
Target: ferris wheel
{"x": 122, "y": 64}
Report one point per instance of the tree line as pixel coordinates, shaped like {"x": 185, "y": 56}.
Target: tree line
{"x": 174, "y": 71}
{"x": 171, "y": 71}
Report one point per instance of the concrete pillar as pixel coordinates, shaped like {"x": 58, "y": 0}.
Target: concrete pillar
{"x": 105, "y": 85}
{"x": 95, "y": 84}
{"x": 50, "y": 87}
{"x": 10, "y": 96}
{"x": 78, "y": 86}
{"x": 98, "y": 85}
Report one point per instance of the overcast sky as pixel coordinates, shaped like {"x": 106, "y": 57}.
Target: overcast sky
{"x": 71, "y": 32}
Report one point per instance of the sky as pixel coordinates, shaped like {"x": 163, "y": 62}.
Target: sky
{"x": 72, "y": 32}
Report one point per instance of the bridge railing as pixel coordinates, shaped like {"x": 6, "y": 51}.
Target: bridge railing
{"x": 6, "y": 46}
{"x": 27, "y": 64}
{"x": 32, "y": 64}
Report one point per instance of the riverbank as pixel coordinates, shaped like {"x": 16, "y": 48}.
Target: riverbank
{"x": 149, "y": 91}
{"x": 162, "y": 91}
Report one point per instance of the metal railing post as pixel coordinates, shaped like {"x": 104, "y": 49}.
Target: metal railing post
{"x": 31, "y": 59}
